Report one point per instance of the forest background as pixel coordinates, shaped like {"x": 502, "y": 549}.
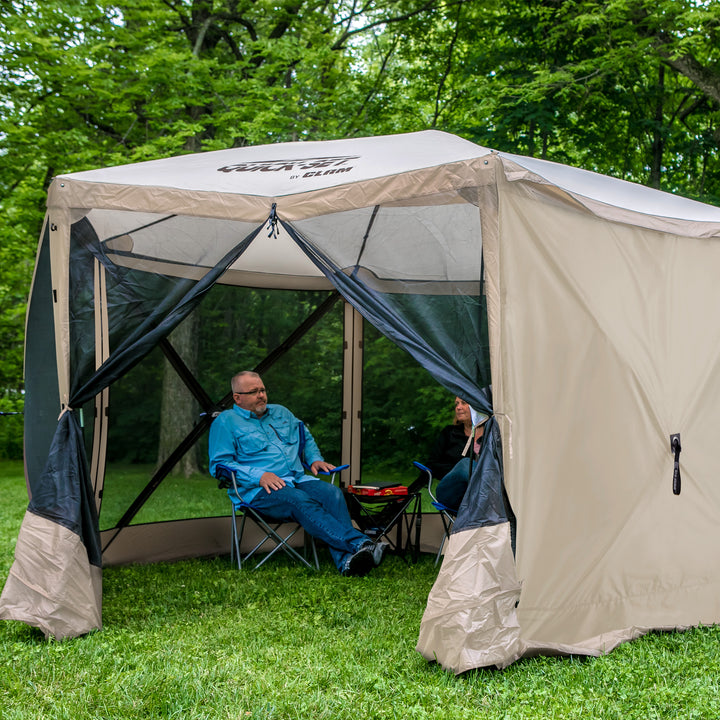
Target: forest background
{"x": 629, "y": 88}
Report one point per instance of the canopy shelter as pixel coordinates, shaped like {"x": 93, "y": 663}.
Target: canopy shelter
{"x": 582, "y": 299}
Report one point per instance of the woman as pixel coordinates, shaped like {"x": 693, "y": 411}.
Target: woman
{"x": 451, "y": 454}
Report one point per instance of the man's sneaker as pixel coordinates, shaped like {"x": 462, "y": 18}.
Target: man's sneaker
{"x": 379, "y": 552}
{"x": 361, "y": 563}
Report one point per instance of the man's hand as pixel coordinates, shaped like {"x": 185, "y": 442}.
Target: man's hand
{"x": 321, "y": 465}
{"x": 270, "y": 481}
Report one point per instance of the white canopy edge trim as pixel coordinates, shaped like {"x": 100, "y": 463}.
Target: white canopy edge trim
{"x": 425, "y": 183}
{"x": 691, "y": 218}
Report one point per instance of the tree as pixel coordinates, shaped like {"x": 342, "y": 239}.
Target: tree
{"x": 87, "y": 84}
{"x": 624, "y": 87}
{"x": 630, "y": 88}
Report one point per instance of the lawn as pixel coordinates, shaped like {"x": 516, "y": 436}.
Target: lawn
{"x": 198, "y": 639}
{"x": 196, "y": 496}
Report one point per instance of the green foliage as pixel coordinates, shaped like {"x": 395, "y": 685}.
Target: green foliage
{"x": 87, "y": 83}
{"x": 626, "y": 87}
{"x": 11, "y": 425}
{"x": 15, "y": 500}
{"x": 630, "y": 88}
{"x": 403, "y": 407}
{"x": 18, "y": 228}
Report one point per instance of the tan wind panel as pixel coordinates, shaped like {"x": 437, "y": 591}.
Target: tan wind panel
{"x": 605, "y": 352}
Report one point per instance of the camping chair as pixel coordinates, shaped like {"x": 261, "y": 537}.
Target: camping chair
{"x": 270, "y": 529}
{"x": 447, "y": 515}
{"x": 384, "y": 516}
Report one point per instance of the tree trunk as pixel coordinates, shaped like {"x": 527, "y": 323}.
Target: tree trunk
{"x": 658, "y": 140}
{"x": 179, "y": 410}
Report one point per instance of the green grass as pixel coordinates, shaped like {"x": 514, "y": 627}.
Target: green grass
{"x": 196, "y": 496}
{"x": 198, "y": 639}
{"x": 175, "y": 497}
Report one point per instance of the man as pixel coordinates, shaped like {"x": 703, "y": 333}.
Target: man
{"x": 261, "y": 443}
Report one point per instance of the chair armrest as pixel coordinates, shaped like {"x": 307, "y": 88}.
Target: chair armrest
{"x": 225, "y": 477}
{"x": 444, "y": 508}
{"x": 227, "y": 480}
{"x": 333, "y": 472}
{"x": 337, "y": 469}
{"x": 428, "y": 472}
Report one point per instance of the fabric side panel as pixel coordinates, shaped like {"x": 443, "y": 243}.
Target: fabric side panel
{"x": 59, "y": 223}
{"x": 601, "y": 644}
{"x": 606, "y": 352}
{"x": 51, "y": 584}
{"x": 491, "y": 248}
{"x": 41, "y": 376}
{"x": 470, "y": 621}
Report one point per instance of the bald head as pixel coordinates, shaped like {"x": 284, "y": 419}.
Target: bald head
{"x": 249, "y": 392}
{"x": 237, "y": 380}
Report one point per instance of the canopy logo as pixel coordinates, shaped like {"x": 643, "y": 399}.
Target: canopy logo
{"x": 305, "y": 167}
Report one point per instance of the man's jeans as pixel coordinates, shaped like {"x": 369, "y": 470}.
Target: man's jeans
{"x": 321, "y": 509}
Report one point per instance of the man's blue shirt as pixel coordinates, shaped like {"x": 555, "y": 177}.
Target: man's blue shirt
{"x": 252, "y": 445}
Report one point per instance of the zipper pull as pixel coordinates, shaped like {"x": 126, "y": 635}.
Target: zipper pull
{"x": 675, "y": 447}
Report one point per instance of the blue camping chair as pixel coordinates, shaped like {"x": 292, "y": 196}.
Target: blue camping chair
{"x": 447, "y": 515}
{"x": 278, "y": 533}
{"x": 271, "y": 530}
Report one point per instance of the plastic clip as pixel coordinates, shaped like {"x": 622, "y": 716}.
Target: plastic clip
{"x": 273, "y": 221}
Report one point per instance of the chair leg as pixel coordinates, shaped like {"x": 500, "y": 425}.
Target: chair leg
{"x": 310, "y": 541}
{"x": 447, "y": 526}
{"x": 389, "y": 527}
{"x": 281, "y": 543}
{"x": 235, "y": 540}
{"x": 440, "y": 549}
{"x": 268, "y": 526}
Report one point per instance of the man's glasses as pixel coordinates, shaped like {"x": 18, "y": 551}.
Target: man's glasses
{"x": 257, "y": 391}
